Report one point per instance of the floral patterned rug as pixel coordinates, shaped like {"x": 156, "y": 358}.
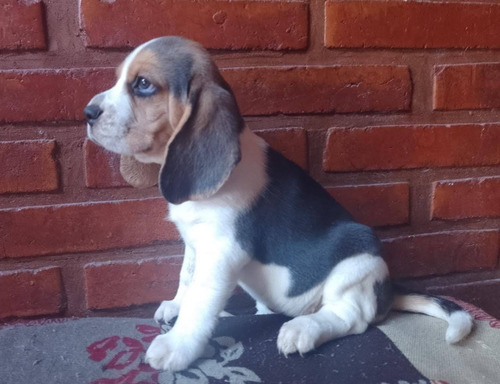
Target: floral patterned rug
{"x": 405, "y": 349}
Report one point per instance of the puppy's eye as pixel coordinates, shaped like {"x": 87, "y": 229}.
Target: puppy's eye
{"x": 142, "y": 87}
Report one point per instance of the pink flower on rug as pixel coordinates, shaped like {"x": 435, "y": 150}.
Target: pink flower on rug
{"x": 124, "y": 354}
{"x": 148, "y": 330}
{"x": 121, "y": 356}
{"x": 99, "y": 350}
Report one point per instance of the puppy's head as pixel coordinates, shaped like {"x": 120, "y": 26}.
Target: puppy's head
{"x": 170, "y": 107}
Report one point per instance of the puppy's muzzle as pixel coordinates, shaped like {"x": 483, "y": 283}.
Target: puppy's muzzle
{"x": 92, "y": 113}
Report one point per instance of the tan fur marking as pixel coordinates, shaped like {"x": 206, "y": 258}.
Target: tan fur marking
{"x": 137, "y": 174}
{"x": 146, "y": 64}
{"x": 151, "y": 129}
{"x": 405, "y": 302}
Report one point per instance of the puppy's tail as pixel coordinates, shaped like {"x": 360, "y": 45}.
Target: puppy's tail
{"x": 459, "y": 321}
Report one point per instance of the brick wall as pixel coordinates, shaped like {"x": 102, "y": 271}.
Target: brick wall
{"x": 394, "y": 106}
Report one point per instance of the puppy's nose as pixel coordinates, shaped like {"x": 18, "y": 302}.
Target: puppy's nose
{"x": 92, "y": 113}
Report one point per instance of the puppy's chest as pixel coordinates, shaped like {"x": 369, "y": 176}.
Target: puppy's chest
{"x": 201, "y": 223}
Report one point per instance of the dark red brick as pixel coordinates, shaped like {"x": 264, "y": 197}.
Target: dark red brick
{"x": 46, "y": 95}
{"x": 275, "y": 25}
{"x": 342, "y": 89}
{"x": 470, "y": 86}
{"x": 290, "y": 142}
{"x": 102, "y": 168}
{"x": 22, "y": 25}
{"x": 412, "y": 24}
{"x": 30, "y": 292}
{"x": 462, "y": 199}
{"x": 377, "y": 204}
{"x": 441, "y": 253}
{"x": 68, "y": 228}
{"x": 28, "y": 166}
{"x": 122, "y": 284}
{"x": 398, "y": 147}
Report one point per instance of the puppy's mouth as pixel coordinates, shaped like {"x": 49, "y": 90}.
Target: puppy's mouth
{"x": 110, "y": 143}
{"x": 90, "y": 136}
{"x": 117, "y": 144}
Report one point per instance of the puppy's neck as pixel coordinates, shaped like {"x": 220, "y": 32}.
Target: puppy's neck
{"x": 247, "y": 179}
{"x": 249, "y": 176}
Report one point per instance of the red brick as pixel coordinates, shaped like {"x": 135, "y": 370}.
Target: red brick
{"x": 30, "y": 292}
{"x": 441, "y": 253}
{"x": 462, "y": 199}
{"x": 343, "y": 89}
{"x": 398, "y": 147}
{"x": 69, "y": 228}
{"x": 102, "y": 168}
{"x": 28, "y": 166}
{"x": 22, "y": 25}
{"x": 47, "y": 95}
{"x": 290, "y": 142}
{"x": 377, "y": 204}
{"x": 122, "y": 284}
{"x": 274, "y": 25}
{"x": 61, "y": 94}
{"x": 471, "y": 86}
{"x": 412, "y": 24}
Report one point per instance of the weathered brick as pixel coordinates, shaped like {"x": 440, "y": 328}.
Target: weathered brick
{"x": 412, "y": 24}
{"x": 47, "y": 95}
{"x": 30, "y": 292}
{"x": 61, "y": 94}
{"x": 290, "y": 142}
{"x": 22, "y": 25}
{"x": 260, "y": 91}
{"x": 122, "y": 284}
{"x": 461, "y": 199}
{"x": 441, "y": 253}
{"x": 342, "y": 88}
{"x": 28, "y": 166}
{"x": 274, "y": 25}
{"x": 397, "y": 147}
{"x": 102, "y": 168}
{"x": 376, "y": 204}
{"x": 470, "y": 86}
{"x": 69, "y": 228}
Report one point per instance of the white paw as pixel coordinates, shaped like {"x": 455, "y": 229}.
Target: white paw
{"x": 298, "y": 335}
{"x": 172, "y": 352}
{"x": 166, "y": 311}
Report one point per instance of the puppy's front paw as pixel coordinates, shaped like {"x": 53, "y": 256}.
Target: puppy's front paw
{"x": 172, "y": 352}
{"x": 166, "y": 311}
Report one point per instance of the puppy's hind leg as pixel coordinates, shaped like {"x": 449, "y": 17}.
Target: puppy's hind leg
{"x": 304, "y": 333}
{"x": 349, "y": 305}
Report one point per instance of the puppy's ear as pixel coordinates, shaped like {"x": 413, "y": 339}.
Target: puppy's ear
{"x": 137, "y": 174}
{"x": 206, "y": 145}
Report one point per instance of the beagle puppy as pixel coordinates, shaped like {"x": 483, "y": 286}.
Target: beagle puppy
{"x": 247, "y": 215}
